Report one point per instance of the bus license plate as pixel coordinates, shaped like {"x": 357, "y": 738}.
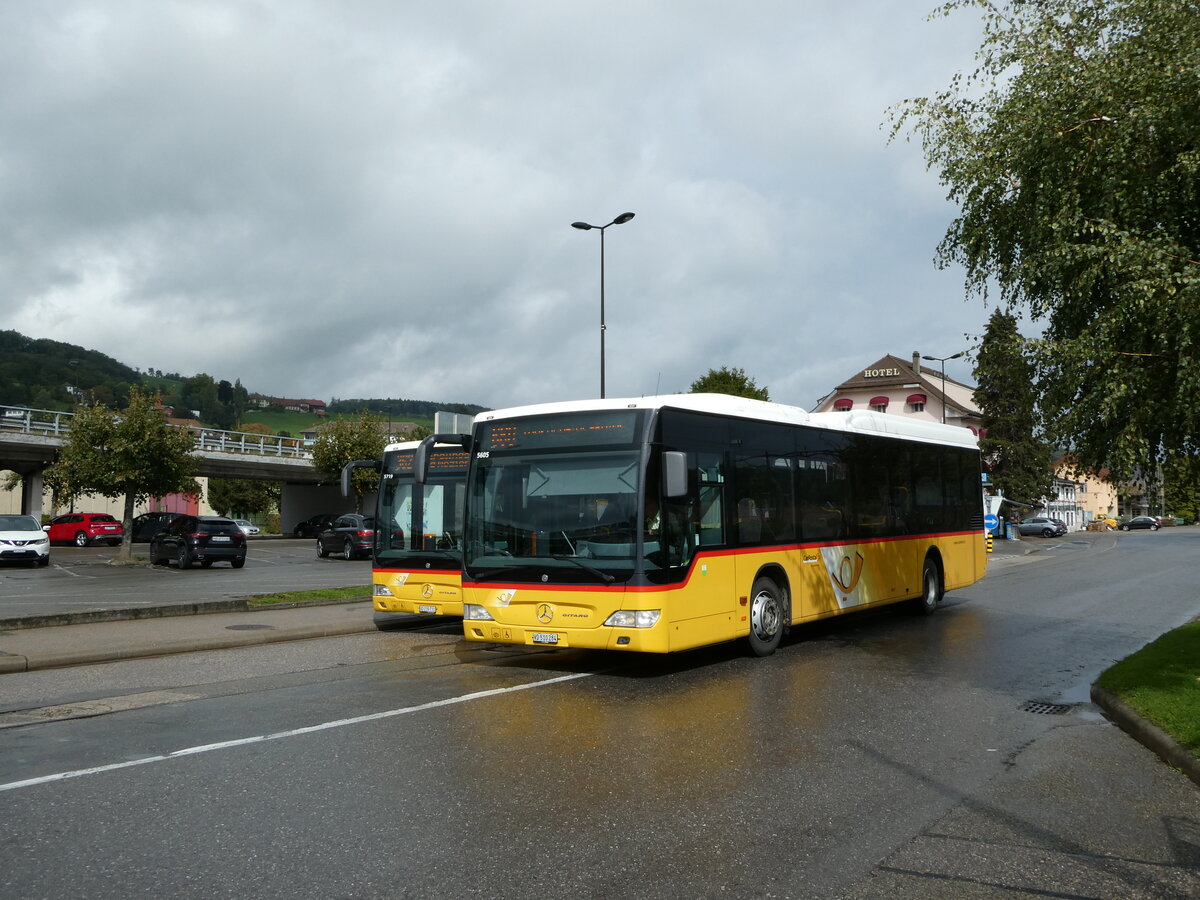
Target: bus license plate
{"x": 541, "y": 637}
{"x": 427, "y": 609}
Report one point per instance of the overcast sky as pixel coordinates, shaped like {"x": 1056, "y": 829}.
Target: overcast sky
{"x": 374, "y": 199}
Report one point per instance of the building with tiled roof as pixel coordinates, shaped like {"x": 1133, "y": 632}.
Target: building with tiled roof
{"x": 907, "y": 388}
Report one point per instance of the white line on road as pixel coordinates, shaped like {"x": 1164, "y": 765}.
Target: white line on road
{"x": 294, "y": 732}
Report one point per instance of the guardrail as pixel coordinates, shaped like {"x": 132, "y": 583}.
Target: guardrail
{"x": 52, "y": 423}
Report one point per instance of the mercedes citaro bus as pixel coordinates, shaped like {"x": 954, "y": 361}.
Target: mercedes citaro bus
{"x": 666, "y": 523}
{"x": 417, "y": 562}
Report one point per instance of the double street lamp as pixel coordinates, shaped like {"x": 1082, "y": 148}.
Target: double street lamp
{"x": 942, "y": 360}
{"x": 584, "y": 226}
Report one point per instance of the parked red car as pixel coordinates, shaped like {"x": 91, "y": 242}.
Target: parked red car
{"x": 82, "y": 529}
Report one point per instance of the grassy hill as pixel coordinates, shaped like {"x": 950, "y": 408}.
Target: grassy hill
{"x": 48, "y": 374}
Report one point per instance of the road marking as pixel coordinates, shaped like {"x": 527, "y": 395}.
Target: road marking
{"x": 279, "y": 735}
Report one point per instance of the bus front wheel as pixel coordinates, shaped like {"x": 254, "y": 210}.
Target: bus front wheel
{"x": 766, "y": 616}
{"x": 931, "y": 590}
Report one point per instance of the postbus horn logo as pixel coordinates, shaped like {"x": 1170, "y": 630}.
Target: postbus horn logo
{"x": 545, "y": 612}
{"x": 847, "y": 577}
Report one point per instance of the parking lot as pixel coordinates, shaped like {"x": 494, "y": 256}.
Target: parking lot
{"x": 81, "y": 578}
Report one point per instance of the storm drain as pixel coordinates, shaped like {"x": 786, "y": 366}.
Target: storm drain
{"x": 248, "y": 627}
{"x": 1047, "y": 709}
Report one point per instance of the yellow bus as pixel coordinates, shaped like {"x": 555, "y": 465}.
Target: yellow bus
{"x": 665, "y": 523}
{"x": 417, "y": 564}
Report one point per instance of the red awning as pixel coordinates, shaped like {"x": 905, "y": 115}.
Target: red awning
{"x": 843, "y": 403}
{"x": 915, "y": 398}
{"x": 879, "y": 401}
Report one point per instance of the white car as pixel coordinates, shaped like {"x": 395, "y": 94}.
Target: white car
{"x": 22, "y": 540}
{"x": 247, "y": 528}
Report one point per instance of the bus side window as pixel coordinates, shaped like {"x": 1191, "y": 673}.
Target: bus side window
{"x": 708, "y": 515}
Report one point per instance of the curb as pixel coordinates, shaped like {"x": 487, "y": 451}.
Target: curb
{"x": 15, "y": 663}
{"x": 206, "y": 607}
{"x": 1149, "y": 735}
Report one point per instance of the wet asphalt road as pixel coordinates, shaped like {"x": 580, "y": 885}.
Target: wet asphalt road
{"x": 873, "y": 756}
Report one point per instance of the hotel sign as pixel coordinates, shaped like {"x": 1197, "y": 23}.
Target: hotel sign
{"x": 880, "y": 373}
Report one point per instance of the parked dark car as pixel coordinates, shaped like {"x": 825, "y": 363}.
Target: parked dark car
{"x": 1140, "y": 522}
{"x": 351, "y": 535}
{"x": 82, "y": 529}
{"x": 313, "y": 525}
{"x": 1042, "y": 525}
{"x": 147, "y": 525}
{"x": 199, "y": 539}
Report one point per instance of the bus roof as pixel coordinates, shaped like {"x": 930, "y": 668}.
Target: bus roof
{"x": 413, "y": 445}
{"x": 855, "y": 421}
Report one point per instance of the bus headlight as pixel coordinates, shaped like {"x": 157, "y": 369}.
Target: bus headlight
{"x": 381, "y": 590}
{"x": 633, "y": 618}
{"x": 473, "y": 611}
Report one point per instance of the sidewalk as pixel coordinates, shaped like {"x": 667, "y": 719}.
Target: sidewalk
{"x": 28, "y": 649}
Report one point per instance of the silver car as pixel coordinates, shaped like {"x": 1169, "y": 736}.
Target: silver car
{"x": 1043, "y": 525}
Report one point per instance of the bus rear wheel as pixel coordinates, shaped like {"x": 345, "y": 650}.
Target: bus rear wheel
{"x": 931, "y": 590}
{"x": 766, "y": 616}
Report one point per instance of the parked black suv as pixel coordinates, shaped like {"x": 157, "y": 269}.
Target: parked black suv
{"x": 199, "y": 539}
{"x": 311, "y": 526}
{"x": 147, "y": 525}
{"x": 351, "y": 535}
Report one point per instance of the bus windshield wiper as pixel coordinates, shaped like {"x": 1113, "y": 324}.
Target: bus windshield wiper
{"x": 603, "y": 576}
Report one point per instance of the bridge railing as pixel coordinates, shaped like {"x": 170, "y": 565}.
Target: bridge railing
{"x": 34, "y": 421}
{"x": 52, "y": 423}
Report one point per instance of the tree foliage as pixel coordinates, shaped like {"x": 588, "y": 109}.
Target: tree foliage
{"x": 133, "y": 454}
{"x": 1073, "y": 152}
{"x": 421, "y": 409}
{"x": 47, "y": 374}
{"x": 1018, "y": 459}
{"x": 1181, "y": 487}
{"x": 344, "y": 440}
{"x": 728, "y": 381}
{"x": 242, "y": 496}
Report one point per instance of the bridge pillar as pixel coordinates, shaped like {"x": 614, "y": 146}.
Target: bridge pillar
{"x": 32, "y": 488}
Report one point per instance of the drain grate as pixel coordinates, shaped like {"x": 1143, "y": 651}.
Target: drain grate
{"x": 1046, "y": 709}
{"x": 249, "y": 627}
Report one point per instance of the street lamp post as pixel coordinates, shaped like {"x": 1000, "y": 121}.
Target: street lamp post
{"x": 942, "y": 360}
{"x": 584, "y": 226}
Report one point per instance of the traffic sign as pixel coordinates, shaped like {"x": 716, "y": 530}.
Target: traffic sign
{"x": 991, "y": 522}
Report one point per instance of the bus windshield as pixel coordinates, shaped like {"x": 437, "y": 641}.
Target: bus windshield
{"x": 420, "y": 518}
{"x": 573, "y": 510}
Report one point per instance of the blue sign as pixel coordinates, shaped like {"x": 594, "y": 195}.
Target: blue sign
{"x": 990, "y": 522}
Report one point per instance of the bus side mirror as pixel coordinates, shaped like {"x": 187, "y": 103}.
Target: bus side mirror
{"x": 348, "y": 471}
{"x": 421, "y": 454}
{"x": 675, "y": 473}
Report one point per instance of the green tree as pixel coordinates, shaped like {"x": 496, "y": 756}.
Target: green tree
{"x": 1073, "y": 152}
{"x": 1018, "y": 459}
{"x": 1181, "y": 486}
{"x": 728, "y": 381}
{"x": 133, "y": 454}
{"x": 242, "y": 496}
{"x": 342, "y": 440}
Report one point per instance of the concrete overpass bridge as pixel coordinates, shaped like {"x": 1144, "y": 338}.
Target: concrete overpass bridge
{"x": 31, "y": 438}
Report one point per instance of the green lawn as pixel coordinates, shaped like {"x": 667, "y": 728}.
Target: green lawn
{"x": 291, "y": 422}
{"x": 1162, "y": 682}
{"x": 313, "y": 596}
